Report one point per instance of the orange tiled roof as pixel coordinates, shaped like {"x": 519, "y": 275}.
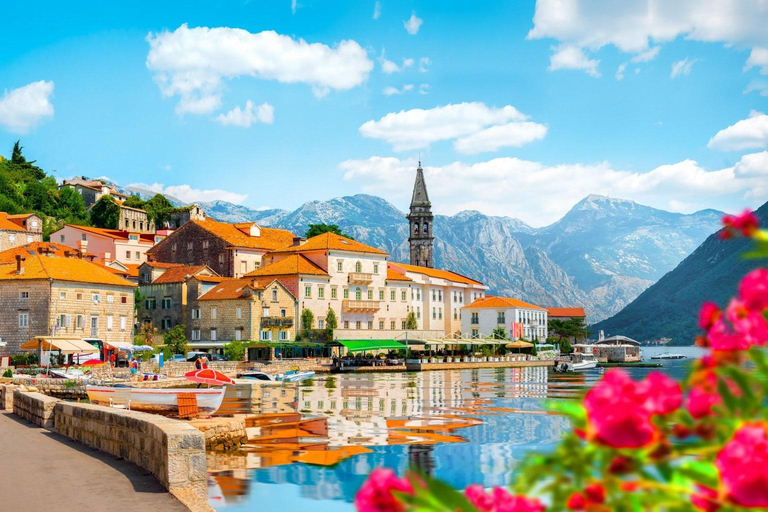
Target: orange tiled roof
{"x": 8, "y": 224}
{"x": 569, "y": 312}
{"x": 231, "y": 289}
{"x": 35, "y": 248}
{"x": 237, "y": 234}
{"x": 116, "y": 234}
{"x": 60, "y": 269}
{"x": 162, "y": 264}
{"x": 331, "y": 241}
{"x": 294, "y": 264}
{"x": 178, "y": 274}
{"x": 500, "y": 302}
{"x": 394, "y": 275}
{"x": 209, "y": 279}
{"x": 434, "y": 272}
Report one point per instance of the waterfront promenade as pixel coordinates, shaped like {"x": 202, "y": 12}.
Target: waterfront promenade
{"x": 43, "y": 471}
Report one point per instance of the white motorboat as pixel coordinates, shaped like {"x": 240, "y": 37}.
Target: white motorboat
{"x": 158, "y": 401}
{"x": 578, "y": 362}
{"x": 289, "y": 376}
{"x": 71, "y": 374}
{"x": 669, "y": 355}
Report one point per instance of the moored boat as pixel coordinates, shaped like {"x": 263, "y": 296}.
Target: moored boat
{"x": 289, "y": 376}
{"x": 158, "y": 401}
{"x": 669, "y": 355}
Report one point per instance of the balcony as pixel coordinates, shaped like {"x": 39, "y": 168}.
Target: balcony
{"x": 360, "y": 278}
{"x": 360, "y": 306}
{"x": 277, "y": 321}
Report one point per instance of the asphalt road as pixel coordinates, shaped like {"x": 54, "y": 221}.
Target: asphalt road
{"x": 43, "y": 471}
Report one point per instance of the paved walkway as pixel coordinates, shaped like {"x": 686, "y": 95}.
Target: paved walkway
{"x": 42, "y": 471}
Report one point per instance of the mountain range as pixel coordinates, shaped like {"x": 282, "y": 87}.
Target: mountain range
{"x": 601, "y": 255}
{"x": 670, "y": 307}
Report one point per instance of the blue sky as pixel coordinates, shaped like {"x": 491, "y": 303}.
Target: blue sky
{"x": 522, "y": 109}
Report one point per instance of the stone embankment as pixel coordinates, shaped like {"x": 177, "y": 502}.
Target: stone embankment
{"x": 222, "y": 434}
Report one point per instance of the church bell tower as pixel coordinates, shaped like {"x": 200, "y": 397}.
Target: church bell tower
{"x": 420, "y": 218}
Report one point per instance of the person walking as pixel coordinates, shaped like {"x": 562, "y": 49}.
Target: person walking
{"x": 198, "y": 363}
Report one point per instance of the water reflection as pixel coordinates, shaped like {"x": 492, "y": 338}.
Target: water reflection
{"x": 316, "y": 444}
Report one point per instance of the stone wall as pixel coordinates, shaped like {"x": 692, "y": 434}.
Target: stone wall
{"x": 6, "y": 397}
{"x": 222, "y": 434}
{"x": 35, "y": 408}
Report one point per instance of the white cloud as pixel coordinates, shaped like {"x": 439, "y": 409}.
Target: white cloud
{"x": 572, "y": 57}
{"x": 540, "y": 194}
{"x": 388, "y": 67}
{"x": 750, "y": 133}
{"x": 192, "y": 195}
{"x": 193, "y": 63}
{"x": 761, "y": 86}
{"x": 424, "y": 63}
{"x": 758, "y": 58}
{"x": 418, "y": 128}
{"x": 264, "y": 113}
{"x": 682, "y": 67}
{"x": 646, "y": 56}
{"x": 293, "y": 6}
{"x": 413, "y": 24}
{"x": 620, "y": 71}
{"x": 424, "y": 89}
{"x": 632, "y": 26}
{"x": 22, "y": 109}
{"x": 389, "y": 91}
{"x": 376, "y": 10}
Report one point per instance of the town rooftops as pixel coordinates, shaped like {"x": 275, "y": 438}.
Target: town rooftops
{"x": 295, "y": 264}
{"x": 247, "y": 235}
{"x": 233, "y": 289}
{"x": 9, "y": 222}
{"x": 59, "y": 269}
{"x": 566, "y": 312}
{"x": 179, "y": 274}
{"x": 434, "y": 272}
{"x": 394, "y": 275}
{"x": 332, "y": 242}
{"x": 162, "y": 264}
{"x": 43, "y": 249}
{"x": 491, "y": 302}
{"x": 116, "y": 234}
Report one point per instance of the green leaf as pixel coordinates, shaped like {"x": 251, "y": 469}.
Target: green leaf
{"x": 569, "y": 408}
{"x": 727, "y": 395}
{"x": 701, "y": 472}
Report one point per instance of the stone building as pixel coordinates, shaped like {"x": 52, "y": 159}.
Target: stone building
{"x": 92, "y": 190}
{"x": 231, "y": 250}
{"x": 420, "y": 237}
{"x": 519, "y": 319}
{"x": 181, "y": 216}
{"x": 134, "y": 220}
{"x": 127, "y": 247}
{"x": 64, "y": 296}
{"x": 17, "y": 230}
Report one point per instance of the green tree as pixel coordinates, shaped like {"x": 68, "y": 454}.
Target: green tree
{"x": 138, "y": 299}
{"x": 105, "y": 213}
{"x": 234, "y": 350}
{"x": 307, "y": 319}
{"x": 331, "y": 321}
{"x": 176, "y": 340}
{"x": 26, "y": 168}
{"x": 319, "y": 229}
{"x": 135, "y": 201}
{"x": 159, "y": 210}
{"x": 500, "y": 333}
{"x": 70, "y": 205}
{"x": 410, "y": 322}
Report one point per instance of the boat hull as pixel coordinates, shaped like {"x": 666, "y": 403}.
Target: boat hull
{"x": 586, "y": 365}
{"x": 160, "y": 401}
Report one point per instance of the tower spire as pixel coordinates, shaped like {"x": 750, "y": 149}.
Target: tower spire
{"x": 420, "y": 219}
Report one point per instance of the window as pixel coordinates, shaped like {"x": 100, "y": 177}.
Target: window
{"x": 402, "y": 325}
{"x": 138, "y": 255}
{"x": 195, "y": 334}
{"x": 392, "y": 295}
{"x": 29, "y": 239}
{"x": 34, "y": 224}
{"x": 79, "y": 296}
{"x": 122, "y": 323}
{"x": 213, "y": 313}
{"x": 133, "y": 237}
{"x": 205, "y": 244}
{"x": 266, "y": 335}
{"x": 79, "y": 321}
{"x": 346, "y": 324}
{"x": 173, "y": 247}
{"x": 63, "y": 321}
{"x": 283, "y": 335}
{"x": 440, "y": 295}
{"x": 381, "y": 294}
{"x": 358, "y": 267}
{"x": 62, "y": 238}
{"x": 95, "y": 297}
{"x": 282, "y": 313}
{"x": 404, "y": 295}
{"x": 127, "y": 255}
{"x": 346, "y": 293}
{"x": 23, "y": 295}
{"x": 434, "y": 314}
{"x": 12, "y": 238}
{"x": 243, "y": 267}
{"x": 357, "y": 325}
{"x": 381, "y": 325}
{"x": 265, "y": 311}
{"x": 221, "y": 259}
{"x": 83, "y": 237}
{"x": 338, "y": 266}
{"x": 455, "y": 314}
{"x": 475, "y": 333}
{"x": 23, "y": 319}
{"x": 434, "y": 296}
{"x": 358, "y": 294}
{"x": 320, "y": 292}
{"x": 190, "y": 245}
{"x": 124, "y": 299}
{"x": 418, "y": 294}
{"x": 110, "y": 298}
{"x": 418, "y": 312}
{"x": 274, "y": 294}
{"x": 166, "y": 304}
{"x": 475, "y": 319}
{"x": 166, "y": 323}
{"x": 320, "y": 323}
{"x": 370, "y": 294}
{"x": 307, "y": 292}
{"x": 500, "y": 318}
{"x": 238, "y": 334}
{"x": 333, "y": 292}
{"x": 375, "y": 268}
{"x": 213, "y": 334}
{"x": 239, "y": 312}
{"x": 370, "y": 325}
{"x": 196, "y": 314}
{"x": 150, "y": 304}
{"x": 392, "y": 325}
{"x": 440, "y": 313}
{"x": 109, "y": 322}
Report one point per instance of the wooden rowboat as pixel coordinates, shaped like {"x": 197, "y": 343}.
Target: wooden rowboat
{"x": 157, "y": 401}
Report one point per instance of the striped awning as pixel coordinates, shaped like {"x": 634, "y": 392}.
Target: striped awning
{"x": 63, "y": 345}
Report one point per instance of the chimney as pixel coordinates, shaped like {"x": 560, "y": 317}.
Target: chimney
{"x": 298, "y": 240}
{"x": 19, "y": 265}
{"x": 82, "y": 245}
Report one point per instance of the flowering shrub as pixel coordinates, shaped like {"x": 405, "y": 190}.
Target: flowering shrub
{"x": 654, "y": 444}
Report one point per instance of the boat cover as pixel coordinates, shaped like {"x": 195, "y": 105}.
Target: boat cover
{"x": 367, "y": 345}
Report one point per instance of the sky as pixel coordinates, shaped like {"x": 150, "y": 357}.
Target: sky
{"x": 514, "y": 108}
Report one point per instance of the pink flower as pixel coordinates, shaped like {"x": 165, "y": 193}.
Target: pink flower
{"x": 595, "y": 493}
{"x": 743, "y": 466}
{"x": 500, "y": 500}
{"x": 708, "y": 314}
{"x": 620, "y": 409}
{"x": 753, "y": 290}
{"x": 576, "y": 501}
{"x": 703, "y": 397}
{"x": 753, "y": 329}
{"x": 746, "y": 223}
{"x": 704, "y": 499}
{"x": 376, "y": 493}
{"x": 722, "y": 338}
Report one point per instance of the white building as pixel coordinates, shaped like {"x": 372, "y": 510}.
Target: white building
{"x": 519, "y": 319}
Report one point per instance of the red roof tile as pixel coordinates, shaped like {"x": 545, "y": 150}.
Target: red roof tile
{"x": 566, "y": 312}
{"x": 178, "y": 274}
{"x": 434, "y": 272}
{"x": 331, "y": 241}
{"x": 492, "y": 302}
{"x": 294, "y": 264}
{"x": 237, "y": 235}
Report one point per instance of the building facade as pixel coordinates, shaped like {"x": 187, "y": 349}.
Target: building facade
{"x": 420, "y": 237}
{"x": 107, "y": 244}
{"x": 231, "y": 250}
{"x": 134, "y": 220}
{"x": 519, "y": 319}
{"x": 18, "y": 230}
{"x": 44, "y": 295}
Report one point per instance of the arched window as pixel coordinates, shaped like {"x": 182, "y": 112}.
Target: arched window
{"x": 426, "y": 228}
{"x": 358, "y": 294}
{"x": 415, "y": 228}
{"x": 358, "y": 267}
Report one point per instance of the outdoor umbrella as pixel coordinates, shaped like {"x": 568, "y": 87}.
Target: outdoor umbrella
{"x": 209, "y": 376}
{"x": 519, "y": 344}
{"x": 93, "y": 362}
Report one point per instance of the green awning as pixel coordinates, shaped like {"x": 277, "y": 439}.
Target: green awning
{"x": 366, "y": 345}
